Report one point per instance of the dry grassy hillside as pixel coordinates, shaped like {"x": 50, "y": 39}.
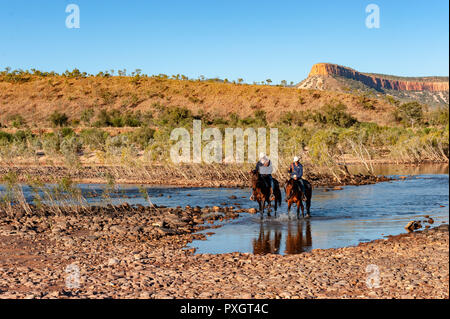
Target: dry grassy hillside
{"x": 38, "y": 97}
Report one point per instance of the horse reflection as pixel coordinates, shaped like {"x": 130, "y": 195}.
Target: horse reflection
{"x": 265, "y": 244}
{"x": 298, "y": 241}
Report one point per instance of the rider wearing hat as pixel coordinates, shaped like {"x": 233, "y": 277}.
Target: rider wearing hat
{"x": 265, "y": 168}
{"x": 296, "y": 172}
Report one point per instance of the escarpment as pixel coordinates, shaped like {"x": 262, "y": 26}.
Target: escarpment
{"x": 380, "y": 82}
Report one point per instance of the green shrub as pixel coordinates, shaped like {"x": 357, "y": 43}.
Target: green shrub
{"x": 22, "y": 136}
{"x": 438, "y": 117}
{"x": 71, "y": 148}
{"x": 142, "y": 136}
{"x": 51, "y": 143}
{"x": 115, "y": 118}
{"x": 260, "y": 117}
{"x": 334, "y": 115}
{"x": 66, "y": 131}
{"x": 366, "y": 103}
{"x": 132, "y": 120}
{"x": 107, "y": 96}
{"x": 58, "y": 119}
{"x": 410, "y": 113}
{"x": 94, "y": 138}
{"x": 175, "y": 116}
{"x": 295, "y": 118}
{"x": 86, "y": 116}
{"x": 16, "y": 121}
{"x": 5, "y": 137}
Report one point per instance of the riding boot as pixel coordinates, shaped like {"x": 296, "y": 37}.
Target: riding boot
{"x": 302, "y": 188}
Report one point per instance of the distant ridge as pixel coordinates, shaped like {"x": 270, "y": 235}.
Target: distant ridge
{"x": 433, "y": 90}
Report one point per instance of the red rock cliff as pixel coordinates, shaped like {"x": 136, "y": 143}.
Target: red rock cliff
{"x": 378, "y": 82}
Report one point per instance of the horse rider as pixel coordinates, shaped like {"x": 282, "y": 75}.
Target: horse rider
{"x": 265, "y": 168}
{"x": 296, "y": 172}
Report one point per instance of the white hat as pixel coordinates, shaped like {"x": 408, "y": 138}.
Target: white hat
{"x": 296, "y": 159}
{"x": 262, "y": 155}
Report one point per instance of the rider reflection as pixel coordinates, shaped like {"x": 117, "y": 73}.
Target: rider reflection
{"x": 298, "y": 241}
{"x": 265, "y": 244}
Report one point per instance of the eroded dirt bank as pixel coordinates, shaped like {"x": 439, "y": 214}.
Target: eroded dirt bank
{"x": 126, "y": 252}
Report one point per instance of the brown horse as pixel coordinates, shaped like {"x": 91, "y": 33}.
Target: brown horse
{"x": 261, "y": 193}
{"x": 295, "y": 195}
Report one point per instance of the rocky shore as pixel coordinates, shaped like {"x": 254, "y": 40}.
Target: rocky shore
{"x": 137, "y": 252}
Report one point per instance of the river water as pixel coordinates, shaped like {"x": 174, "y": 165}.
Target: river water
{"x": 339, "y": 217}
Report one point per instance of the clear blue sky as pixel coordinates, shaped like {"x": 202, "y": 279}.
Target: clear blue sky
{"x": 255, "y": 40}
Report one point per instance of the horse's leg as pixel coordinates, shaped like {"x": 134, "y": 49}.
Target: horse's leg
{"x": 269, "y": 205}
{"x": 261, "y": 209}
{"x": 289, "y": 209}
{"x": 308, "y": 200}
{"x": 308, "y": 207}
{"x": 298, "y": 208}
{"x": 276, "y": 206}
{"x": 302, "y": 207}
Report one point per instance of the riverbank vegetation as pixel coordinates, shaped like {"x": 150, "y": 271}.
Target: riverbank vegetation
{"x": 92, "y": 126}
{"x": 328, "y": 132}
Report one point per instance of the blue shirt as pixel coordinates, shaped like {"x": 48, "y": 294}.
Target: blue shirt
{"x": 296, "y": 169}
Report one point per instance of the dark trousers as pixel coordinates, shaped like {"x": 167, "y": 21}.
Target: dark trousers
{"x": 301, "y": 184}
{"x": 269, "y": 179}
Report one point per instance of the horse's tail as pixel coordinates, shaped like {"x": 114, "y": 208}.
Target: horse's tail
{"x": 277, "y": 192}
{"x": 308, "y": 188}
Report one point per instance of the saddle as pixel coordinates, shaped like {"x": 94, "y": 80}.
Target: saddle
{"x": 298, "y": 183}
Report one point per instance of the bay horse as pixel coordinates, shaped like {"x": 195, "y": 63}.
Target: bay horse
{"x": 261, "y": 193}
{"x": 295, "y": 195}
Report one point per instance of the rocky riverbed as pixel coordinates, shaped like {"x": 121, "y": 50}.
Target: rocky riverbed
{"x": 137, "y": 252}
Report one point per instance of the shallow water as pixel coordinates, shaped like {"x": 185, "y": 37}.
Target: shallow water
{"x": 339, "y": 217}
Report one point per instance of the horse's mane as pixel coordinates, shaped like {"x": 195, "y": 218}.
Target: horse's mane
{"x": 296, "y": 190}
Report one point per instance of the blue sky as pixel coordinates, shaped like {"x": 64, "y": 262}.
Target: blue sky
{"x": 254, "y": 40}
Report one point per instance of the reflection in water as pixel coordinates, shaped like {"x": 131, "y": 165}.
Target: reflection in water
{"x": 265, "y": 244}
{"x": 298, "y": 239}
{"x": 341, "y": 218}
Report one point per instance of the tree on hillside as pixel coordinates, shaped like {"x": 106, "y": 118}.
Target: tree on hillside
{"x": 409, "y": 113}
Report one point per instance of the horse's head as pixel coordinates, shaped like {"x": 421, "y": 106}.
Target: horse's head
{"x": 254, "y": 177}
{"x": 288, "y": 186}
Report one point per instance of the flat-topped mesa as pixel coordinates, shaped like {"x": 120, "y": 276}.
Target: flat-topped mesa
{"x": 380, "y": 82}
